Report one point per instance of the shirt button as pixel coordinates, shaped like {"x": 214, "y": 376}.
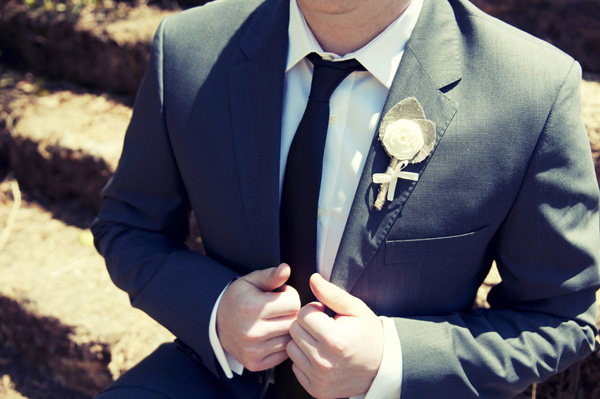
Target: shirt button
{"x": 332, "y": 119}
{"x": 320, "y": 213}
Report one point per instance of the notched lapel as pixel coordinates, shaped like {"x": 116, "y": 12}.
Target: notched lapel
{"x": 430, "y": 63}
{"x": 256, "y": 92}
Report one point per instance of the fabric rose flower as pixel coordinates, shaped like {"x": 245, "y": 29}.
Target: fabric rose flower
{"x": 403, "y": 139}
{"x": 407, "y": 137}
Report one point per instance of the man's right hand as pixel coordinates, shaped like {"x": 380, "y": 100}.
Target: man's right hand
{"x": 253, "y": 320}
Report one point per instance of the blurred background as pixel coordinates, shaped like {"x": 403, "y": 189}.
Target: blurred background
{"x": 69, "y": 71}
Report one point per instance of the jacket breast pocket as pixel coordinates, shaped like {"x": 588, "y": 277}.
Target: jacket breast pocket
{"x": 429, "y": 249}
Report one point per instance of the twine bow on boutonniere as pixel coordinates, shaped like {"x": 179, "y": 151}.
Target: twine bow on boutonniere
{"x": 407, "y": 137}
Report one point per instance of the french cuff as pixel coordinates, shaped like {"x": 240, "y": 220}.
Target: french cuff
{"x": 388, "y": 381}
{"x": 226, "y": 361}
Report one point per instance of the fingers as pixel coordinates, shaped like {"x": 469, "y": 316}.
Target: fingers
{"x": 314, "y": 321}
{"x": 335, "y": 357}
{"x": 269, "y": 279}
{"x": 274, "y": 359}
{"x": 267, "y": 354}
{"x": 307, "y": 347}
{"x": 312, "y": 364}
{"x": 267, "y": 329}
{"x": 336, "y": 298}
{"x": 253, "y": 321}
{"x": 255, "y": 344}
{"x": 285, "y": 302}
{"x": 303, "y": 341}
{"x": 298, "y": 354}
{"x": 302, "y": 377}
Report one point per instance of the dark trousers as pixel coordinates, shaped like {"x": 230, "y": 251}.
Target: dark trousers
{"x": 170, "y": 373}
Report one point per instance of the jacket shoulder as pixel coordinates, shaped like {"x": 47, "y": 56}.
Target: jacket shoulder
{"x": 210, "y": 22}
{"x": 504, "y": 44}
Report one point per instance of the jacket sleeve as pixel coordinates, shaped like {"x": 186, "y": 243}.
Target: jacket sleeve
{"x": 143, "y": 223}
{"x": 543, "y": 314}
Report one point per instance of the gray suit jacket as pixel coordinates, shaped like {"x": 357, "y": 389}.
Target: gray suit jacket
{"x": 510, "y": 180}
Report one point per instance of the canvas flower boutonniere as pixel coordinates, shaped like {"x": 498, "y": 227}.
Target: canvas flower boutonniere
{"x": 407, "y": 137}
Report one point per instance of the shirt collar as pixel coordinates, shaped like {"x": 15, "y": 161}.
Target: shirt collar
{"x": 381, "y": 56}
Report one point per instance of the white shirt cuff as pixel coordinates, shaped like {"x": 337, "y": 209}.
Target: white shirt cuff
{"x": 388, "y": 381}
{"x": 226, "y": 361}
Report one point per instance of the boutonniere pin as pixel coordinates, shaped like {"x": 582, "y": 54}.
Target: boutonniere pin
{"x": 407, "y": 138}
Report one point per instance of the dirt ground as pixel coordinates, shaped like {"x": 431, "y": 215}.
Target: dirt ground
{"x": 21, "y": 378}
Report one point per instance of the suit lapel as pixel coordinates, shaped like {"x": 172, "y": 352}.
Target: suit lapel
{"x": 256, "y": 93}
{"x": 429, "y": 66}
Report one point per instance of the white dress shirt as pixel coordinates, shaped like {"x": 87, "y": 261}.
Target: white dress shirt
{"x": 355, "y": 108}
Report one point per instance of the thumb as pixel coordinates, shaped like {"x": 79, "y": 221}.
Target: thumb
{"x": 269, "y": 279}
{"x": 337, "y": 299}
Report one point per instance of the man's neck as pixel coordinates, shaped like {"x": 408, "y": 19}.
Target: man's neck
{"x": 344, "y": 26}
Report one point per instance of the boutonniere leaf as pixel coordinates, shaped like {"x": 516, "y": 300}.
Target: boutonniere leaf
{"x": 407, "y": 137}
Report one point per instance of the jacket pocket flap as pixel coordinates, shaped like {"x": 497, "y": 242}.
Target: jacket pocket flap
{"x": 428, "y": 249}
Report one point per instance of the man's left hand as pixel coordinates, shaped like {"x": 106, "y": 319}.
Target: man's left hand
{"x": 335, "y": 357}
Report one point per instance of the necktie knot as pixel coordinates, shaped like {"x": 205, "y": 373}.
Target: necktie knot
{"x": 351, "y": 65}
{"x": 327, "y": 75}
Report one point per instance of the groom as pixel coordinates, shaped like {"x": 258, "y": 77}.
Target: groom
{"x": 504, "y": 175}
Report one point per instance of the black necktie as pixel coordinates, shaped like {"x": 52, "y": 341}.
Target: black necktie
{"x": 300, "y": 196}
{"x": 302, "y": 179}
